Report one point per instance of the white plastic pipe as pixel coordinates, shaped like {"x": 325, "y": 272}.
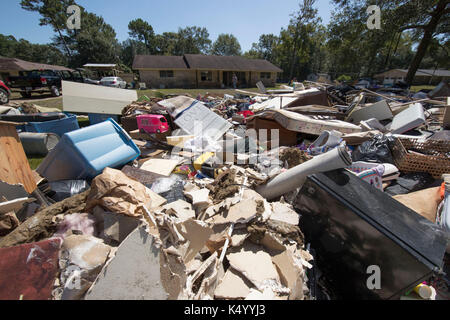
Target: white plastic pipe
{"x": 294, "y": 178}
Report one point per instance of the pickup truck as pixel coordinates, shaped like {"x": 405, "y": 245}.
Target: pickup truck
{"x": 4, "y": 93}
{"x": 40, "y": 81}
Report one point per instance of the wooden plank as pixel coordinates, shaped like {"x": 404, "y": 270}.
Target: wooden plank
{"x": 14, "y": 166}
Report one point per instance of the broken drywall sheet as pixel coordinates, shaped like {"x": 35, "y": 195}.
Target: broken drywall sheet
{"x": 233, "y": 286}
{"x": 199, "y": 120}
{"x": 197, "y": 233}
{"x": 200, "y": 198}
{"x": 155, "y": 199}
{"x": 88, "y": 98}
{"x": 113, "y": 226}
{"x": 133, "y": 274}
{"x": 256, "y": 266}
{"x": 162, "y": 167}
{"x": 291, "y": 274}
{"x": 180, "y": 209}
{"x": 241, "y": 212}
{"x": 239, "y": 236}
{"x": 282, "y": 212}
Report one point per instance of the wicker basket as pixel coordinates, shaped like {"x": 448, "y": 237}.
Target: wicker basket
{"x": 432, "y": 156}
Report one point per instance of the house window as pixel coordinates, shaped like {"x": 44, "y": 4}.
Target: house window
{"x": 166, "y": 74}
{"x": 265, "y": 75}
{"x": 206, "y": 75}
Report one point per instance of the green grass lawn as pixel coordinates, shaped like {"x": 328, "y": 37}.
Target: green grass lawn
{"x": 35, "y": 162}
{"x": 191, "y": 92}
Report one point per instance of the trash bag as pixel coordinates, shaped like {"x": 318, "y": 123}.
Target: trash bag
{"x": 375, "y": 150}
{"x": 411, "y": 182}
{"x": 64, "y": 189}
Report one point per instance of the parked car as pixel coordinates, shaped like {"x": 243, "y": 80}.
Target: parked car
{"x": 152, "y": 123}
{"x": 115, "y": 82}
{"x": 42, "y": 81}
{"x": 5, "y": 93}
{"x": 91, "y": 81}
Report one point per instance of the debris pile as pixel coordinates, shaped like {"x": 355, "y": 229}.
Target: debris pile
{"x": 287, "y": 194}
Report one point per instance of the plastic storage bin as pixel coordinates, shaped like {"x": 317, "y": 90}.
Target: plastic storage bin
{"x": 95, "y": 118}
{"x": 84, "y": 153}
{"x": 59, "y": 127}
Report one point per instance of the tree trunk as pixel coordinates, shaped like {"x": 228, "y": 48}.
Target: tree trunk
{"x": 61, "y": 37}
{"x": 429, "y": 29}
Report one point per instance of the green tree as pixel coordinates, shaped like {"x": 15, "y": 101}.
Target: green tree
{"x": 431, "y": 21}
{"x": 22, "y": 49}
{"x": 142, "y": 31}
{"x": 166, "y": 43}
{"x": 265, "y": 48}
{"x": 301, "y": 25}
{"x": 226, "y": 45}
{"x": 193, "y": 40}
{"x": 53, "y": 13}
{"x": 353, "y": 47}
{"x": 95, "y": 42}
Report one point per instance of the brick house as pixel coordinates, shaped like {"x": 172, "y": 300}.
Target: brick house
{"x": 201, "y": 71}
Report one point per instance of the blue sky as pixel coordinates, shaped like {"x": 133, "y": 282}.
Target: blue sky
{"x": 246, "y": 19}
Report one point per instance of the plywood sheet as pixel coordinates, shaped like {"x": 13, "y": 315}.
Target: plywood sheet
{"x": 14, "y": 166}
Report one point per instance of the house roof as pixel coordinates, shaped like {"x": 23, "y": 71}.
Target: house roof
{"x": 232, "y": 63}
{"x": 159, "y": 62}
{"x": 199, "y": 61}
{"x": 7, "y": 64}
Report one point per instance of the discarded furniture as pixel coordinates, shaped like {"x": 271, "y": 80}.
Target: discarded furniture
{"x": 356, "y": 229}
{"x": 14, "y": 165}
{"x": 83, "y": 154}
